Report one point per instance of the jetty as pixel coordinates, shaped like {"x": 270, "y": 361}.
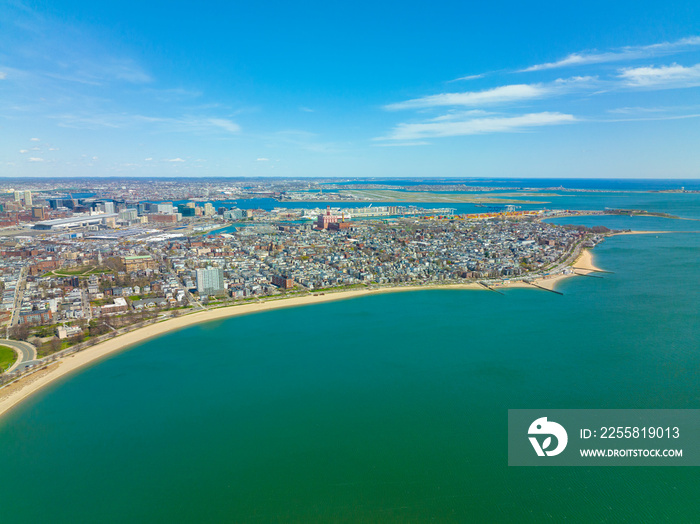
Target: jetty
{"x": 540, "y": 287}
{"x": 490, "y": 288}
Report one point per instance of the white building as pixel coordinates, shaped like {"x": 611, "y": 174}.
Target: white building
{"x": 210, "y": 280}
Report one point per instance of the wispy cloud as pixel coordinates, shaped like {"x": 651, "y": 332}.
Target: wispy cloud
{"x": 497, "y": 95}
{"x": 672, "y": 76}
{"x": 262, "y": 159}
{"x": 225, "y": 124}
{"x": 468, "y": 77}
{"x": 178, "y": 159}
{"x": 635, "y": 110}
{"x": 620, "y": 54}
{"x": 651, "y": 118}
{"x": 3, "y": 75}
{"x": 192, "y": 124}
{"x": 35, "y": 159}
{"x": 476, "y": 126}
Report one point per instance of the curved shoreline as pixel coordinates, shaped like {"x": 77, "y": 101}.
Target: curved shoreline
{"x": 37, "y": 381}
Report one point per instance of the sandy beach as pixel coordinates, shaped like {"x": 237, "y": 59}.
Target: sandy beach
{"x": 16, "y": 392}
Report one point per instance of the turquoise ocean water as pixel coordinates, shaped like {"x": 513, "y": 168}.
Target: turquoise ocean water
{"x": 389, "y": 408}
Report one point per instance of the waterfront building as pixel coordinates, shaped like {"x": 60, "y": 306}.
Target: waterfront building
{"x": 233, "y": 214}
{"x": 282, "y": 282}
{"x": 210, "y": 280}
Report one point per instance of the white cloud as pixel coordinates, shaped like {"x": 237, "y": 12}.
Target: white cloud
{"x": 24, "y": 151}
{"x": 147, "y": 159}
{"x": 263, "y": 160}
{"x": 635, "y": 110}
{"x": 476, "y": 126}
{"x": 225, "y": 124}
{"x": 499, "y": 95}
{"x": 94, "y": 158}
{"x": 3, "y": 76}
{"x": 652, "y": 118}
{"x": 34, "y": 140}
{"x": 624, "y": 53}
{"x": 469, "y": 77}
{"x": 35, "y": 159}
{"x": 664, "y": 76}
{"x": 460, "y": 115}
{"x": 175, "y": 160}
{"x": 53, "y": 149}
{"x": 306, "y": 110}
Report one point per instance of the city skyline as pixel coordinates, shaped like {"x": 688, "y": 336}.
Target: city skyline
{"x": 292, "y": 91}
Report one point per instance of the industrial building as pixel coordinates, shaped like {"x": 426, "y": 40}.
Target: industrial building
{"x": 75, "y": 221}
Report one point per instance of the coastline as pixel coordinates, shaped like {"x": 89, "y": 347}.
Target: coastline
{"x": 15, "y": 393}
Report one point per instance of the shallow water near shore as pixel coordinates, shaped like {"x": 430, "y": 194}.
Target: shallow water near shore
{"x": 381, "y": 408}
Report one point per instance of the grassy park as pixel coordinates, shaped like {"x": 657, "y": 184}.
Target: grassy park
{"x": 7, "y": 358}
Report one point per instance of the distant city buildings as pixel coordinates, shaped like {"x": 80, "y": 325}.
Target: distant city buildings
{"x": 65, "y": 258}
{"x": 233, "y": 214}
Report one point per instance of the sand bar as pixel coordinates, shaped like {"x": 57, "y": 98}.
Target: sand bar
{"x": 16, "y": 392}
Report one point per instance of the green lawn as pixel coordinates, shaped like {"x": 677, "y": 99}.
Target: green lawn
{"x": 7, "y": 358}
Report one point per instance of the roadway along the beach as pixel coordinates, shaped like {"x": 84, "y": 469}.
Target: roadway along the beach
{"x": 25, "y": 351}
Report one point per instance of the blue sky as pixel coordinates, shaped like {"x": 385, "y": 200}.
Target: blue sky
{"x": 363, "y": 89}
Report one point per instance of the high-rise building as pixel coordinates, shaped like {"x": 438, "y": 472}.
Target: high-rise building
{"x": 209, "y": 210}
{"x": 128, "y": 215}
{"x": 18, "y": 196}
{"x": 28, "y": 198}
{"x": 185, "y": 210}
{"x": 210, "y": 280}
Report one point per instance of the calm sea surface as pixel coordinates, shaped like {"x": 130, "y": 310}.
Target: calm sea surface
{"x": 390, "y": 408}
